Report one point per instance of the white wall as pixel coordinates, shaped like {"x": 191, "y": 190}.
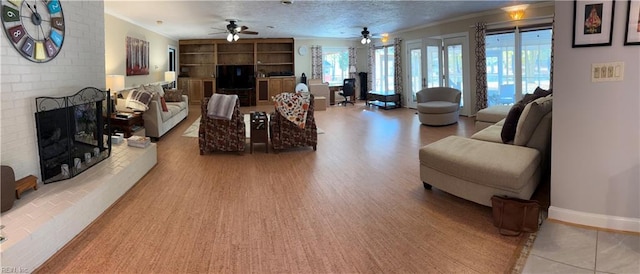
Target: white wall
{"x": 116, "y": 33}
{"x": 79, "y": 64}
{"x": 595, "y": 177}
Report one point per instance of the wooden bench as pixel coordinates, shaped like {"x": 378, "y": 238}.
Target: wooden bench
{"x": 26, "y": 183}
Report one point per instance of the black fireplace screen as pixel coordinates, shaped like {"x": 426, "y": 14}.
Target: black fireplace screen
{"x": 73, "y": 133}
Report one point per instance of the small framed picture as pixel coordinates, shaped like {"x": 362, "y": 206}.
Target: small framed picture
{"x": 632, "y": 33}
{"x": 592, "y": 23}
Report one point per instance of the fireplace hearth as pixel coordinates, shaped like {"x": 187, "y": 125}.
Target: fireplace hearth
{"x": 72, "y": 133}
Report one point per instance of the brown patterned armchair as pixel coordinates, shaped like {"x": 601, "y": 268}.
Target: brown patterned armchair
{"x": 285, "y": 134}
{"x": 220, "y": 134}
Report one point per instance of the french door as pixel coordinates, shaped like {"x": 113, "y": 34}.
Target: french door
{"x": 434, "y": 62}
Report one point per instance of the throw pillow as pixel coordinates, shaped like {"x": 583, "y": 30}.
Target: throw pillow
{"x": 539, "y": 92}
{"x": 530, "y": 118}
{"x": 163, "y": 103}
{"x": 139, "y": 99}
{"x": 173, "y": 95}
{"x": 158, "y": 89}
{"x": 157, "y": 92}
{"x": 508, "y": 132}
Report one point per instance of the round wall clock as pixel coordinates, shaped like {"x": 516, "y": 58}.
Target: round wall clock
{"x": 35, "y": 28}
{"x": 302, "y": 50}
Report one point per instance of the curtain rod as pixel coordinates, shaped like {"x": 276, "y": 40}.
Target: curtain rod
{"x": 515, "y": 22}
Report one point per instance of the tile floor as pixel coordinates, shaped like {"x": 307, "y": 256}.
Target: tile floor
{"x": 561, "y": 248}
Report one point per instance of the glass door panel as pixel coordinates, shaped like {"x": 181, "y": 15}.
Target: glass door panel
{"x": 414, "y": 71}
{"x": 434, "y": 62}
{"x": 500, "y": 52}
{"x": 391, "y": 53}
{"x": 454, "y": 65}
{"x": 536, "y": 59}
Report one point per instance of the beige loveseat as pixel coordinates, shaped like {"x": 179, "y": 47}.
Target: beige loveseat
{"x": 479, "y": 167}
{"x": 156, "y": 121}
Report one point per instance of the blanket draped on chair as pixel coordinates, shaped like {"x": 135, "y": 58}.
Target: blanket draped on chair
{"x": 293, "y": 106}
{"x": 221, "y": 106}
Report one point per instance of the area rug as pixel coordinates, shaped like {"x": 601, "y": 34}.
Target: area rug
{"x": 525, "y": 249}
{"x": 192, "y": 131}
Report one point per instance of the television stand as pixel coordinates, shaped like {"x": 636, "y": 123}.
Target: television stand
{"x": 246, "y": 95}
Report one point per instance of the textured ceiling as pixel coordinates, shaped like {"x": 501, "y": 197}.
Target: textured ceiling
{"x": 301, "y": 19}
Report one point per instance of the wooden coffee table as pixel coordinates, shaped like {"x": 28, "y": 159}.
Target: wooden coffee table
{"x": 126, "y": 125}
{"x": 383, "y": 99}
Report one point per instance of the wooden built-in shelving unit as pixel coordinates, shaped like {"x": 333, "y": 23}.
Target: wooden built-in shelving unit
{"x": 199, "y": 58}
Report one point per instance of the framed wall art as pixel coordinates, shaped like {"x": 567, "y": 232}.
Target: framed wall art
{"x": 592, "y": 23}
{"x": 632, "y": 33}
{"x": 137, "y": 56}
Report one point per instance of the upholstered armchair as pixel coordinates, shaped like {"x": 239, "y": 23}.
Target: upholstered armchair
{"x": 221, "y": 134}
{"x": 286, "y": 134}
{"x": 438, "y": 106}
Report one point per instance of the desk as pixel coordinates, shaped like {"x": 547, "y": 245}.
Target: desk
{"x": 384, "y": 99}
{"x": 332, "y": 94}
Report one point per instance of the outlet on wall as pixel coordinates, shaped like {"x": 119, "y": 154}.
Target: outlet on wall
{"x": 607, "y": 72}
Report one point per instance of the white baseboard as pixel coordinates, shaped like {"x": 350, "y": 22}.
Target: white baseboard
{"x": 594, "y": 220}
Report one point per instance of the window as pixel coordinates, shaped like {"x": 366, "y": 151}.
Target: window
{"x": 335, "y": 65}
{"x": 518, "y": 61}
{"x": 384, "y": 70}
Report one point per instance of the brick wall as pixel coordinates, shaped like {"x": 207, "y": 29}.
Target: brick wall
{"x": 79, "y": 64}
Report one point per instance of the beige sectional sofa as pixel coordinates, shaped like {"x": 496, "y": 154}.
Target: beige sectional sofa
{"x": 479, "y": 167}
{"x": 156, "y": 121}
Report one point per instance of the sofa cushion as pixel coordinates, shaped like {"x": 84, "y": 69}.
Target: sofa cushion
{"x": 436, "y": 107}
{"x": 173, "y": 95}
{"x": 492, "y": 164}
{"x": 490, "y": 133}
{"x": 530, "y": 118}
{"x": 493, "y": 114}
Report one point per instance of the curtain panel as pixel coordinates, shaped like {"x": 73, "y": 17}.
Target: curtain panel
{"x": 397, "y": 83}
{"x": 370, "y": 66}
{"x": 352, "y": 62}
{"x": 316, "y": 62}
{"x": 481, "y": 66}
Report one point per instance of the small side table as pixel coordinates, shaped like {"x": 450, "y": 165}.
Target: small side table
{"x": 259, "y": 130}
{"x": 129, "y": 126}
{"x": 26, "y": 183}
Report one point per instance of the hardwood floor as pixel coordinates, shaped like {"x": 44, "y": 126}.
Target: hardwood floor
{"x": 355, "y": 205}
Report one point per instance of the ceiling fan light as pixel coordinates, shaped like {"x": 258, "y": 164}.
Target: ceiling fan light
{"x": 363, "y": 41}
{"x": 229, "y": 37}
{"x": 236, "y": 37}
{"x": 368, "y": 40}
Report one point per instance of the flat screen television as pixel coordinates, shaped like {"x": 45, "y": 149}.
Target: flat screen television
{"x": 235, "y": 76}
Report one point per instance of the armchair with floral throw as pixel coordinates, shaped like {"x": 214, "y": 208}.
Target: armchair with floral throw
{"x": 216, "y": 134}
{"x": 292, "y": 124}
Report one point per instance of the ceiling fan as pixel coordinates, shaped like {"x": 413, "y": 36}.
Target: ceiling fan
{"x": 233, "y": 30}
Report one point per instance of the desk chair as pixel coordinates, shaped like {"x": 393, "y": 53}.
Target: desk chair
{"x": 348, "y": 89}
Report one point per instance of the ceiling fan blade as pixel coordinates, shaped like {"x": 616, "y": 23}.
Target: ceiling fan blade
{"x": 249, "y": 32}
